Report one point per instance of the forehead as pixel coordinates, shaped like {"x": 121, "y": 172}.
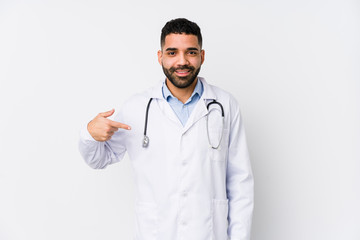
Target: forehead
{"x": 175, "y": 40}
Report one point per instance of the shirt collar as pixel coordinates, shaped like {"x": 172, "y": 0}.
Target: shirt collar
{"x": 156, "y": 91}
{"x": 197, "y": 90}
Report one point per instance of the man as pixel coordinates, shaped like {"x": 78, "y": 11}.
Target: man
{"x": 192, "y": 171}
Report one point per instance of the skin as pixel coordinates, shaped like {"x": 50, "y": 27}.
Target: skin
{"x": 182, "y": 53}
{"x": 181, "y": 57}
{"x": 102, "y": 129}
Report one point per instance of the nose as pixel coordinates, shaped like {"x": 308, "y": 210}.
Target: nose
{"x": 182, "y": 59}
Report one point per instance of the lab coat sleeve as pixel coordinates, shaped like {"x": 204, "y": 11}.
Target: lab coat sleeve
{"x": 239, "y": 182}
{"x": 98, "y": 155}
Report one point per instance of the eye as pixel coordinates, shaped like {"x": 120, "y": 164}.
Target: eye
{"x": 192, "y": 52}
{"x": 171, "y": 53}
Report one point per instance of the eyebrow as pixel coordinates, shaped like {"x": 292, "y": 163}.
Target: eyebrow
{"x": 171, "y": 49}
{"x": 175, "y": 49}
{"x": 193, "y": 48}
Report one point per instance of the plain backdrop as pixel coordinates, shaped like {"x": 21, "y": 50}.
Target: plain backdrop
{"x": 294, "y": 66}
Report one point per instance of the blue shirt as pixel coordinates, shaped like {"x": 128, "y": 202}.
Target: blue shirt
{"x": 183, "y": 110}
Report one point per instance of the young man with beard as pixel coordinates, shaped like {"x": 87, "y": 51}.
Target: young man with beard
{"x": 187, "y": 147}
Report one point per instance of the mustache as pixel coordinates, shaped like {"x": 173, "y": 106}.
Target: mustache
{"x": 184, "y": 67}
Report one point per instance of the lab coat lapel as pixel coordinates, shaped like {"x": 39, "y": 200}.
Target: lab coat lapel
{"x": 200, "y": 109}
{"x": 163, "y": 105}
{"x": 168, "y": 111}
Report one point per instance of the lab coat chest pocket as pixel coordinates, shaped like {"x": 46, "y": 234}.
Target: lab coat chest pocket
{"x": 219, "y": 217}
{"x": 146, "y": 221}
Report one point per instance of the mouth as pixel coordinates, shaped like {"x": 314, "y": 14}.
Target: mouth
{"x": 182, "y": 72}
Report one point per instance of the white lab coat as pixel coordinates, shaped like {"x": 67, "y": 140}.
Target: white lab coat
{"x": 185, "y": 190}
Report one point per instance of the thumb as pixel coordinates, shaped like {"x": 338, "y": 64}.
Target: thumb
{"x": 108, "y": 113}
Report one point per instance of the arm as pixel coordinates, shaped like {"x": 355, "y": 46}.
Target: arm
{"x": 239, "y": 183}
{"x": 102, "y": 141}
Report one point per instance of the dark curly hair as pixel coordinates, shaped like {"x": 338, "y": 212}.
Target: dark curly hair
{"x": 180, "y": 25}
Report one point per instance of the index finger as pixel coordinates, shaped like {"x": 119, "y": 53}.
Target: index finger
{"x": 119, "y": 125}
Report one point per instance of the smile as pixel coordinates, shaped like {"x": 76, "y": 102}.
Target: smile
{"x": 182, "y": 72}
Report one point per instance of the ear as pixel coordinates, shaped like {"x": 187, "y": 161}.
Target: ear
{"x": 202, "y": 54}
{"x": 159, "y": 54}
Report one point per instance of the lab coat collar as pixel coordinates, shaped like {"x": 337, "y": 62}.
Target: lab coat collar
{"x": 199, "y": 111}
{"x": 156, "y": 91}
{"x": 208, "y": 90}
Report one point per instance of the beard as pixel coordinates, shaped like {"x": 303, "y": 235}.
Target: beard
{"x": 181, "y": 82}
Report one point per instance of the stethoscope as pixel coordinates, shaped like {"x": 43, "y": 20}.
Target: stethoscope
{"x": 146, "y": 138}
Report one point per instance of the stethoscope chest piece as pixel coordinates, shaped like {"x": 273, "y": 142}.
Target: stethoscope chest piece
{"x": 145, "y": 141}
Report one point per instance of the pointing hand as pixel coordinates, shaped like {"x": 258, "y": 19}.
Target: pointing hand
{"x": 101, "y": 128}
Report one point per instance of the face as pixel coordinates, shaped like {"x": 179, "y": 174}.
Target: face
{"x": 181, "y": 58}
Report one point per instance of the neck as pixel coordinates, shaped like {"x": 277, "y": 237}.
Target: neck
{"x": 183, "y": 94}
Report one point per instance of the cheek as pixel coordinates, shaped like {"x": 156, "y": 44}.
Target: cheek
{"x": 167, "y": 63}
{"x": 196, "y": 62}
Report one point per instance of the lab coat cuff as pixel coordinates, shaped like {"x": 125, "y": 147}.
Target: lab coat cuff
{"x": 85, "y": 135}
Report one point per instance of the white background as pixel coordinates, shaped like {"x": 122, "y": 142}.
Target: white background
{"x": 293, "y": 66}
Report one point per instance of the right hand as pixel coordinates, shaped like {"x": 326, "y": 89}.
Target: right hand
{"x": 101, "y": 128}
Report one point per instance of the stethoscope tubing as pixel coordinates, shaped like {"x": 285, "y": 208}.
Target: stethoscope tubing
{"x": 146, "y": 138}
{"x": 207, "y": 123}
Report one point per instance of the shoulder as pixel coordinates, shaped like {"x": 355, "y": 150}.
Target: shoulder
{"x": 139, "y": 101}
{"x": 136, "y": 99}
{"x": 222, "y": 96}
{"x": 227, "y": 100}
{"x": 134, "y": 106}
